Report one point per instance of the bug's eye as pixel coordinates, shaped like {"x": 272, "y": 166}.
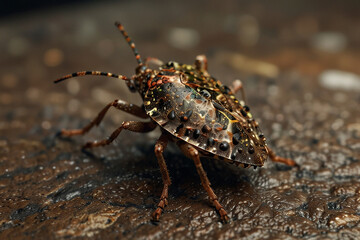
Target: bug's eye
{"x": 205, "y": 93}
{"x": 227, "y": 90}
{"x": 170, "y": 64}
{"x": 140, "y": 69}
{"x": 183, "y": 78}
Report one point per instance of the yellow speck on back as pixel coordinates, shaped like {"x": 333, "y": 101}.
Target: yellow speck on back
{"x": 152, "y": 110}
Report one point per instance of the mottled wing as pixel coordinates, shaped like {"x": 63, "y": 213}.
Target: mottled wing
{"x": 193, "y": 116}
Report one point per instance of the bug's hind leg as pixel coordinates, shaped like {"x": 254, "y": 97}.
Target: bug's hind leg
{"x": 192, "y": 153}
{"x": 119, "y": 104}
{"x": 159, "y": 149}
{"x": 128, "y": 125}
{"x": 279, "y": 159}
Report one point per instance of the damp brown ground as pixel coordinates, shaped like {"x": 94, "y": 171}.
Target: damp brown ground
{"x": 300, "y": 66}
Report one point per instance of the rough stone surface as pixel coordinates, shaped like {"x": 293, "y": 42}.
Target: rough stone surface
{"x": 50, "y": 189}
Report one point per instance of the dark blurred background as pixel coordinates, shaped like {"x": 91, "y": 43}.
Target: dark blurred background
{"x": 43, "y": 40}
{"x": 9, "y": 8}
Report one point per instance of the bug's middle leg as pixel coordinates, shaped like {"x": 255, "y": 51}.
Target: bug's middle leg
{"x": 192, "y": 153}
{"x": 119, "y": 104}
{"x": 159, "y": 149}
{"x": 132, "y": 126}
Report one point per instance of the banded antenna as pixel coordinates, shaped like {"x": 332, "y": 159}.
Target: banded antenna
{"x": 130, "y": 42}
{"x": 83, "y": 73}
{"x": 99, "y": 73}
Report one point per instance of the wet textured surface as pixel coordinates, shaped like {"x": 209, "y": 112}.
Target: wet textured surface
{"x": 286, "y": 55}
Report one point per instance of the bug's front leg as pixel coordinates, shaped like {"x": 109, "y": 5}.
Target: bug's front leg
{"x": 159, "y": 149}
{"x": 128, "y": 125}
{"x": 152, "y": 60}
{"x": 119, "y": 104}
{"x": 192, "y": 153}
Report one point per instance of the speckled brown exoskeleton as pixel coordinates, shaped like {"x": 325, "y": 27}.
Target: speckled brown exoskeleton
{"x": 194, "y": 110}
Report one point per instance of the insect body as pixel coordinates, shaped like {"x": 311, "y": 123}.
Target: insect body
{"x": 194, "y": 107}
{"x": 194, "y": 110}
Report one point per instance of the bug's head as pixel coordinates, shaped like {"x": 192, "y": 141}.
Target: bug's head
{"x": 152, "y": 79}
{"x": 145, "y": 77}
{"x": 134, "y": 84}
{"x": 169, "y": 72}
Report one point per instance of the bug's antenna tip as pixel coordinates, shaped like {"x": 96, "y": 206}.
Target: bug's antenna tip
{"x": 130, "y": 42}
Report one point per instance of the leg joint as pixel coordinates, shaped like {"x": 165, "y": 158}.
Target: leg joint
{"x": 193, "y": 152}
{"x": 125, "y": 125}
{"x": 159, "y": 148}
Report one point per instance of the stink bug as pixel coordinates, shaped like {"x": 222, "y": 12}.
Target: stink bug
{"x": 193, "y": 109}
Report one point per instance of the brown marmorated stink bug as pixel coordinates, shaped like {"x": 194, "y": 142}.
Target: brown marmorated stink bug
{"x": 193, "y": 109}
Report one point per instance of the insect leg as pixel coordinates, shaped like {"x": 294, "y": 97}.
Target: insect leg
{"x": 159, "y": 149}
{"x": 276, "y": 158}
{"x": 236, "y": 86}
{"x": 128, "y": 125}
{"x": 192, "y": 153}
{"x": 119, "y": 104}
{"x": 201, "y": 63}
